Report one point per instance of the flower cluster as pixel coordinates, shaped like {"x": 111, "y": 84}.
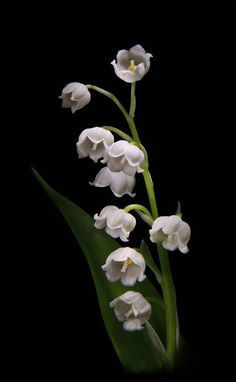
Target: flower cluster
{"x": 123, "y": 159}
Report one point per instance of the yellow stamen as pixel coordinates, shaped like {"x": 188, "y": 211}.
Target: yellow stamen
{"x": 128, "y": 261}
{"x": 132, "y": 67}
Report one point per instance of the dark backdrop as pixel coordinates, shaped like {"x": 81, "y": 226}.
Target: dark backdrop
{"x": 181, "y": 108}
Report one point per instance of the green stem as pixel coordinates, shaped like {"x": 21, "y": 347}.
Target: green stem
{"x": 151, "y": 193}
{"x": 167, "y": 282}
{"x": 139, "y": 207}
{"x": 132, "y": 100}
{"x": 113, "y": 98}
{"x": 133, "y": 129}
{"x": 128, "y": 117}
{"x": 170, "y": 303}
{"x": 118, "y": 132}
{"x": 168, "y": 288}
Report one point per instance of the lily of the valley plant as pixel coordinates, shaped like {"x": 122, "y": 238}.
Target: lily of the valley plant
{"x": 140, "y": 318}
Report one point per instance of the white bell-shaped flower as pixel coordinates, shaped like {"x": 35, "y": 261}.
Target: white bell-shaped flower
{"x": 132, "y": 309}
{"x": 123, "y": 156}
{"x": 133, "y": 64}
{"x": 119, "y": 182}
{"x": 172, "y": 231}
{"x": 117, "y": 222}
{"x": 125, "y": 264}
{"x": 94, "y": 142}
{"x": 75, "y": 96}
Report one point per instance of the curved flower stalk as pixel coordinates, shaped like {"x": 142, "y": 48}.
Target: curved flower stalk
{"x": 94, "y": 142}
{"x": 117, "y": 222}
{"x": 132, "y": 309}
{"x": 125, "y": 264}
{"x": 75, "y": 96}
{"x": 172, "y": 232}
{"x": 119, "y": 182}
{"x": 131, "y": 65}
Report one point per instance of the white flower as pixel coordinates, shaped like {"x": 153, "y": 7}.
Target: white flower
{"x": 94, "y": 143}
{"x": 75, "y": 96}
{"x": 132, "y": 309}
{"x": 132, "y": 64}
{"x": 119, "y": 182}
{"x": 123, "y": 156}
{"x": 172, "y": 232}
{"x": 126, "y": 264}
{"x": 117, "y": 222}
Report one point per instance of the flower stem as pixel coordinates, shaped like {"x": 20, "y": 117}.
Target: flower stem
{"x": 128, "y": 117}
{"x": 168, "y": 288}
{"x": 139, "y": 207}
{"x": 151, "y": 193}
{"x": 113, "y": 98}
{"x": 170, "y": 303}
{"x": 118, "y": 132}
{"x": 132, "y": 100}
{"x": 167, "y": 284}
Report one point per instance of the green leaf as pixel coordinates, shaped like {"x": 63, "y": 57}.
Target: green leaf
{"x": 136, "y": 350}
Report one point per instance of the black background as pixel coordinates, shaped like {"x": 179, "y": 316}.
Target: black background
{"x": 182, "y": 117}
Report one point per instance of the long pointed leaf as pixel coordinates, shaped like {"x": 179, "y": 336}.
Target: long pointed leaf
{"x": 135, "y": 350}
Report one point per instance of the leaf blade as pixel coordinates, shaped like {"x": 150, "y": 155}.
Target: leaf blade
{"x": 135, "y": 350}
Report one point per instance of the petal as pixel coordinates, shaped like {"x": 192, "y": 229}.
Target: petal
{"x": 123, "y": 58}
{"x": 130, "y": 297}
{"x": 107, "y": 211}
{"x": 83, "y": 148}
{"x": 70, "y": 87}
{"x": 127, "y": 75}
{"x": 66, "y": 101}
{"x": 98, "y": 134}
{"x": 131, "y": 275}
{"x": 122, "y": 184}
{"x": 124, "y": 236}
{"x": 134, "y": 155}
{"x": 129, "y": 222}
{"x": 139, "y": 55}
{"x": 98, "y": 153}
{"x": 142, "y": 308}
{"x": 103, "y": 178}
{"x": 120, "y": 310}
{"x": 137, "y": 258}
{"x": 80, "y": 91}
{"x": 118, "y": 148}
{"x": 171, "y": 243}
{"x": 159, "y": 223}
{"x": 113, "y": 271}
{"x": 129, "y": 170}
{"x": 132, "y": 325}
{"x": 183, "y": 248}
{"x": 120, "y": 254}
{"x": 115, "y": 164}
{"x": 115, "y": 233}
{"x": 156, "y": 233}
{"x": 83, "y": 101}
{"x": 116, "y": 220}
{"x": 172, "y": 225}
{"x": 83, "y": 136}
{"x": 184, "y": 233}
{"x": 99, "y": 222}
